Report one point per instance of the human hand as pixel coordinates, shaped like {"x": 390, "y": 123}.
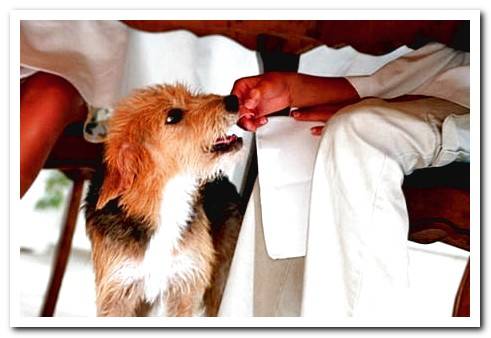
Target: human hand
{"x": 261, "y": 95}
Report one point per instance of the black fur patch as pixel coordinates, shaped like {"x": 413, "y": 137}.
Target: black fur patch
{"x": 111, "y": 221}
{"x": 220, "y": 200}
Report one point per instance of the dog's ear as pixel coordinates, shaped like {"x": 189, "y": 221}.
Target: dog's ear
{"x": 123, "y": 164}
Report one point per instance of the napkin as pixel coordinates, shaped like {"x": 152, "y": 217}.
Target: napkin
{"x": 286, "y": 153}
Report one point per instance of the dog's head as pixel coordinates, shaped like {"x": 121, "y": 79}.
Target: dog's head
{"x": 164, "y": 130}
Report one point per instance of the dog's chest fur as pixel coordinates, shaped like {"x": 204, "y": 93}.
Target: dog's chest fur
{"x": 172, "y": 259}
{"x": 166, "y": 259}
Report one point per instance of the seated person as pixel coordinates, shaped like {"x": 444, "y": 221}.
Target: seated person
{"x": 357, "y": 261}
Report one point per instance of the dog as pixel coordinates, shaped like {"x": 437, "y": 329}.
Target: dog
{"x": 161, "y": 218}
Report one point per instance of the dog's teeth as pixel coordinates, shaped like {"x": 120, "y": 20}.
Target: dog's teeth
{"x": 224, "y": 143}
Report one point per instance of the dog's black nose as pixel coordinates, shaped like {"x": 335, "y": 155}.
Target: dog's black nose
{"x": 231, "y": 103}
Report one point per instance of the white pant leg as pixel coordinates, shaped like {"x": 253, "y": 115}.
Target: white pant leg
{"x": 356, "y": 263}
{"x": 257, "y": 285}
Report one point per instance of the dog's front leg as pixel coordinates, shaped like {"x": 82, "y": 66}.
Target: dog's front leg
{"x": 117, "y": 300}
{"x": 119, "y": 288}
{"x": 185, "y": 300}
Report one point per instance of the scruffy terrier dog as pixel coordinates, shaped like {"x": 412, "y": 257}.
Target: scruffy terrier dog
{"x": 162, "y": 233}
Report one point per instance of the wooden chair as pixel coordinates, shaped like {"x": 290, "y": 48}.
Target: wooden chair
{"x": 77, "y": 159}
{"x": 438, "y": 202}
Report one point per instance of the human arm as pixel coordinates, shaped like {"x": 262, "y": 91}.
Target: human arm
{"x": 270, "y": 92}
{"x": 433, "y": 70}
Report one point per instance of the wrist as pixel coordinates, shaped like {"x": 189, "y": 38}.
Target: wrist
{"x": 307, "y": 90}
{"x": 292, "y": 86}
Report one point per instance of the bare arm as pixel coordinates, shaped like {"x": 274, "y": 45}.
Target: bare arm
{"x": 309, "y": 90}
{"x": 268, "y": 93}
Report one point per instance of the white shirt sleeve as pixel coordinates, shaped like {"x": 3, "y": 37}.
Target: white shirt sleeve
{"x": 433, "y": 70}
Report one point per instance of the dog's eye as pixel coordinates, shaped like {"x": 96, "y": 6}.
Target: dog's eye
{"x": 174, "y": 116}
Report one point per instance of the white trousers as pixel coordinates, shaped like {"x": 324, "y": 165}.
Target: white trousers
{"x": 357, "y": 258}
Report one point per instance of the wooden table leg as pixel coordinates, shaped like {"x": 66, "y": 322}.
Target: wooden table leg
{"x": 462, "y": 300}
{"x": 64, "y": 245}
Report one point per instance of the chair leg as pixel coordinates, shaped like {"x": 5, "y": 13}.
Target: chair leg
{"x": 462, "y": 300}
{"x": 64, "y": 245}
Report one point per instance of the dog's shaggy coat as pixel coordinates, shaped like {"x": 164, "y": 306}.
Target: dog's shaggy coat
{"x": 162, "y": 235}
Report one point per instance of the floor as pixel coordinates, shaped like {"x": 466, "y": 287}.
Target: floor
{"x": 38, "y": 237}
{"x": 77, "y": 294}
{"x": 435, "y": 268}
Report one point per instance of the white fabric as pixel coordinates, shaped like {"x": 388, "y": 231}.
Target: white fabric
{"x": 26, "y": 72}
{"x": 237, "y": 297}
{"x": 287, "y": 144}
{"x": 261, "y": 286}
{"x": 89, "y": 54}
{"x": 345, "y": 61}
{"x": 356, "y": 262}
{"x": 456, "y": 137}
{"x": 433, "y": 70}
{"x": 258, "y": 285}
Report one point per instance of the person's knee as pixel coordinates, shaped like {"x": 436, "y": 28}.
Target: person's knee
{"x": 52, "y": 95}
{"x": 46, "y": 84}
{"x": 362, "y": 122}
{"x": 375, "y": 128}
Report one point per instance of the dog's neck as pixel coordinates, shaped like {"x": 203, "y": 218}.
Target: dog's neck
{"x": 177, "y": 201}
{"x": 160, "y": 199}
